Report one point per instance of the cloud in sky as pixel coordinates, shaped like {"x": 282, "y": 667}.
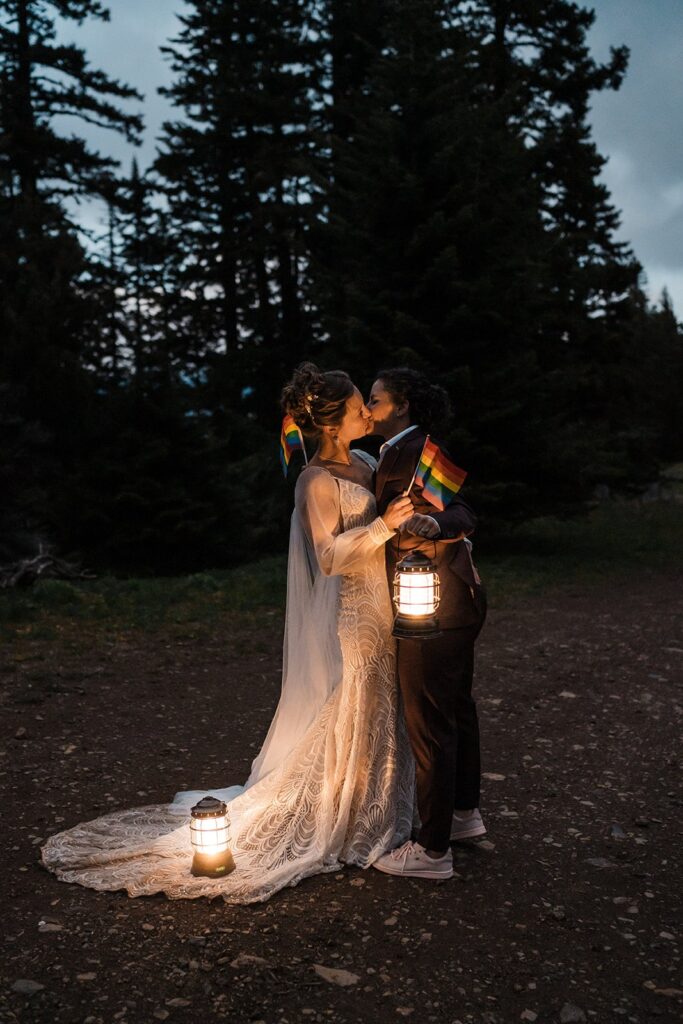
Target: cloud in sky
{"x": 127, "y": 49}
{"x": 637, "y": 128}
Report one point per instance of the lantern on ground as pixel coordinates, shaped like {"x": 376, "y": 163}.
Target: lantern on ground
{"x": 416, "y": 596}
{"x": 209, "y": 836}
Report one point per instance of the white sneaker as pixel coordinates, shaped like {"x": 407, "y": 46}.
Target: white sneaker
{"x": 467, "y": 827}
{"x": 411, "y": 861}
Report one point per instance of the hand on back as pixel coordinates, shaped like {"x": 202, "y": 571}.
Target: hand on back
{"x": 420, "y": 526}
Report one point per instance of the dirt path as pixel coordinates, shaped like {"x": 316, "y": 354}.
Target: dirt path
{"x": 572, "y": 916}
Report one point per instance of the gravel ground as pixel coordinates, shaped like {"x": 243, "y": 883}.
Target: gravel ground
{"x": 568, "y": 913}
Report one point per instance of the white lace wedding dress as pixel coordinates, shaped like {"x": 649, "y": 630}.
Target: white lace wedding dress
{"x": 334, "y": 781}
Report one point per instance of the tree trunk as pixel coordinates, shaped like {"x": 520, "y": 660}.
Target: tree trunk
{"x": 111, "y": 314}
{"x": 25, "y": 121}
{"x": 501, "y": 13}
{"x": 291, "y": 313}
{"x": 227, "y": 272}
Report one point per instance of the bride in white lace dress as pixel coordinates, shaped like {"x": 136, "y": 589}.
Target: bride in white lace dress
{"x": 333, "y": 783}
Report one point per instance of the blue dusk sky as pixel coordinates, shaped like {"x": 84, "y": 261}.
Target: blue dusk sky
{"x": 637, "y": 128}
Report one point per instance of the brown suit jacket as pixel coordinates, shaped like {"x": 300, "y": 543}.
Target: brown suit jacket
{"x": 463, "y": 601}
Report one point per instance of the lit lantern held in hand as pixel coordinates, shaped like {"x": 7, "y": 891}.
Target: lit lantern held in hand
{"x": 416, "y": 596}
{"x": 209, "y": 836}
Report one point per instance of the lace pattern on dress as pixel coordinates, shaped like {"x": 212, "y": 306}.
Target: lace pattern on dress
{"x": 343, "y": 795}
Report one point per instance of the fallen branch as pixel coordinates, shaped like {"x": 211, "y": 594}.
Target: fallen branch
{"x": 42, "y": 566}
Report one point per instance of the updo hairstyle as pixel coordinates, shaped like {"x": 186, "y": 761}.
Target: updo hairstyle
{"x": 315, "y": 398}
{"x": 430, "y": 406}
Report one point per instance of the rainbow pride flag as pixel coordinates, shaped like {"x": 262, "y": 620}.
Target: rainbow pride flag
{"x": 291, "y": 440}
{"x": 439, "y": 478}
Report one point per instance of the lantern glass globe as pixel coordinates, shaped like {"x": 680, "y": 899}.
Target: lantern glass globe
{"x": 416, "y": 596}
{"x": 209, "y": 838}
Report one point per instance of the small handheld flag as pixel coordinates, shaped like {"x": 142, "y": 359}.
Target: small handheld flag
{"x": 291, "y": 440}
{"x": 439, "y": 478}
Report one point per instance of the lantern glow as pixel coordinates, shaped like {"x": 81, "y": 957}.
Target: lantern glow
{"x": 416, "y": 596}
{"x": 209, "y": 837}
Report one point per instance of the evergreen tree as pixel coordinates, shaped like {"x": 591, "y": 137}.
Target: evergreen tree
{"x": 44, "y": 316}
{"x": 39, "y": 168}
{"x": 239, "y": 171}
{"x": 432, "y": 247}
{"x": 151, "y": 258}
{"x": 365, "y": 183}
{"x": 104, "y": 288}
{"x": 531, "y": 64}
{"x": 650, "y": 387}
{"x": 467, "y": 231}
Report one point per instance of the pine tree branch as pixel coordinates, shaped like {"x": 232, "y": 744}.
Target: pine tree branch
{"x": 79, "y": 10}
{"x": 70, "y": 60}
{"x": 115, "y": 122}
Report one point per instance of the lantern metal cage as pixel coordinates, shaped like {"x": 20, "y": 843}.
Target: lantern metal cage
{"x": 209, "y": 836}
{"x": 417, "y": 593}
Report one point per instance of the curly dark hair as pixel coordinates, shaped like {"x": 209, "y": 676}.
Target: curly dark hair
{"x": 429, "y": 404}
{"x": 316, "y": 398}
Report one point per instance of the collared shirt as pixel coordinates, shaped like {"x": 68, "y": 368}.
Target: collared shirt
{"x": 392, "y": 440}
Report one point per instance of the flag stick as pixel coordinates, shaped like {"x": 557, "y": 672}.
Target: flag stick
{"x": 303, "y": 445}
{"x": 417, "y": 466}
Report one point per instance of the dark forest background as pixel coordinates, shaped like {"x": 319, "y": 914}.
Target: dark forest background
{"x": 359, "y": 183}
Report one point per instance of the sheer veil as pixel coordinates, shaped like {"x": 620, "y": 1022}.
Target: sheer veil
{"x": 312, "y": 663}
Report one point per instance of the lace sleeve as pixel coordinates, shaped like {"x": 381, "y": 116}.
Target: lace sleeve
{"x": 337, "y": 552}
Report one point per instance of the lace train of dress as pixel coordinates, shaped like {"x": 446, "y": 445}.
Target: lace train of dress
{"x": 334, "y": 787}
